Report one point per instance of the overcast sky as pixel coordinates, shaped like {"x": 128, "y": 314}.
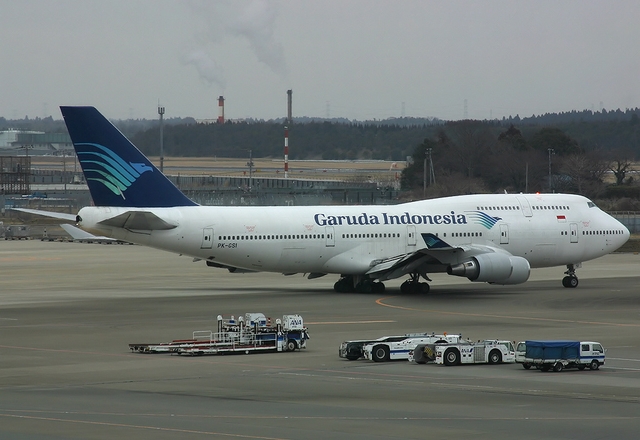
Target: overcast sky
{"x": 359, "y": 59}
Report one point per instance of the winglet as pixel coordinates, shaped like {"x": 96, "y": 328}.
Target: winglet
{"x": 117, "y": 173}
{"x": 434, "y": 242}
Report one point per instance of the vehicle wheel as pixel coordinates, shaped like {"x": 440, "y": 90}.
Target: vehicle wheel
{"x": 570, "y": 282}
{"x": 581, "y": 367}
{"x": 344, "y": 285}
{"x": 558, "y": 367}
{"x": 364, "y": 286}
{"x": 526, "y": 366}
{"x": 573, "y": 282}
{"x": 380, "y": 353}
{"x": 352, "y": 358}
{"x": 429, "y": 353}
{"x": 423, "y": 288}
{"x": 291, "y": 345}
{"x": 545, "y": 367}
{"x": 451, "y": 357}
{"x": 495, "y": 357}
{"x": 594, "y": 365}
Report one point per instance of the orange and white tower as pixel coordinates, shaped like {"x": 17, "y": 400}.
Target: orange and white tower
{"x": 221, "y": 110}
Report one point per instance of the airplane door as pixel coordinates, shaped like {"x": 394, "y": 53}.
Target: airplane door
{"x": 504, "y": 234}
{"x": 207, "y": 238}
{"x": 525, "y": 206}
{"x": 330, "y": 236}
{"x": 411, "y": 235}
{"x": 573, "y": 227}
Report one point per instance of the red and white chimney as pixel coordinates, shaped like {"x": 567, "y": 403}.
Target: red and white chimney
{"x": 221, "y": 110}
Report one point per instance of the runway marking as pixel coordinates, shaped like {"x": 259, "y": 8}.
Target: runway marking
{"x": 623, "y": 359}
{"x": 30, "y": 258}
{"x": 124, "y": 425}
{"x": 349, "y": 322}
{"x": 380, "y": 301}
{"x": 57, "y": 350}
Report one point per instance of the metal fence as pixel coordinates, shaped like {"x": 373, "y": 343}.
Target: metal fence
{"x": 631, "y": 219}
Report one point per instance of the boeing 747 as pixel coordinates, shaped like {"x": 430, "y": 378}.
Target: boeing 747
{"x": 492, "y": 238}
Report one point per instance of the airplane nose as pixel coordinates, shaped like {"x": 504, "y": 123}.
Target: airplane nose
{"x": 626, "y": 234}
{"x": 624, "y": 237}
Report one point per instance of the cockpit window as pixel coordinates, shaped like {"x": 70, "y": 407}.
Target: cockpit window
{"x": 591, "y": 204}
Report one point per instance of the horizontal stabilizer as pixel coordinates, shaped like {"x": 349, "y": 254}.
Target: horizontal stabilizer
{"x": 60, "y": 215}
{"x": 80, "y": 235}
{"x": 138, "y": 220}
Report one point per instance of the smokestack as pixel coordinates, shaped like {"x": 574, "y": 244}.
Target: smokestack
{"x": 289, "y": 99}
{"x": 286, "y": 152}
{"x": 221, "y": 110}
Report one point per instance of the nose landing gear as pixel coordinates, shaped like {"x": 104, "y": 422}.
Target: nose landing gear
{"x": 571, "y": 280}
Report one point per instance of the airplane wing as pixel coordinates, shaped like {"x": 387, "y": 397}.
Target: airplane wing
{"x": 436, "y": 256}
{"x": 60, "y": 215}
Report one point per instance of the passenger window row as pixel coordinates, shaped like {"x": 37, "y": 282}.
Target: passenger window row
{"x": 463, "y": 234}
{"x": 498, "y": 208}
{"x": 554, "y": 207}
{"x": 272, "y": 237}
{"x": 378, "y": 235}
{"x": 614, "y": 232}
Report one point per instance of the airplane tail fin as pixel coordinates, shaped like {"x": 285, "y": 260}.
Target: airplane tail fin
{"x": 117, "y": 173}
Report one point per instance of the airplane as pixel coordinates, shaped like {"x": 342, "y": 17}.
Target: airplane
{"x": 492, "y": 238}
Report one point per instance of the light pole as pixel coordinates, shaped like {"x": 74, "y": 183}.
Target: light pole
{"x": 551, "y": 151}
{"x": 250, "y": 165}
{"x": 161, "y": 113}
{"x": 64, "y": 169}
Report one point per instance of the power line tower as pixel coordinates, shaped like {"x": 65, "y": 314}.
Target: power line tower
{"x": 432, "y": 175}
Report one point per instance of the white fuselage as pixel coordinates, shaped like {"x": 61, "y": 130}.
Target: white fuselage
{"x": 547, "y": 230}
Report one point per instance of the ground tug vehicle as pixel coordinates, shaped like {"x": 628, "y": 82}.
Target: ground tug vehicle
{"x": 383, "y": 351}
{"x": 558, "y": 355}
{"x": 354, "y": 349}
{"x": 252, "y": 332}
{"x": 489, "y": 351}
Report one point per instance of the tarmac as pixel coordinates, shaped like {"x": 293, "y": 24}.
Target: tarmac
{"x": 69, "y": 310}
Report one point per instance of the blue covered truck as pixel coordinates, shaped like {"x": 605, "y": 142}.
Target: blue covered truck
{"x": 558, "y": 355}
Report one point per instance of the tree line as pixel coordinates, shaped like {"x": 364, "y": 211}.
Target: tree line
{"x": 581, "y": 152}
{"x": 474, "y": 157}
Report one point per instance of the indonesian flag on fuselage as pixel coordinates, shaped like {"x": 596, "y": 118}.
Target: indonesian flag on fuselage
{"x": 562, "y": 218}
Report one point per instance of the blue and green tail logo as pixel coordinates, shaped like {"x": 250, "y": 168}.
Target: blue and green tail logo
{"x": 109, "y": 169}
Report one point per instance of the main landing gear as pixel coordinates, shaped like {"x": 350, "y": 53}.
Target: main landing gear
{"x": 571, "y": 280}
{"x": 414, "y": 286}
{"x": 350, "y": 284}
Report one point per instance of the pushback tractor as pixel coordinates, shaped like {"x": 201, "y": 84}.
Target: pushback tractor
{"x": 489, "y": 351}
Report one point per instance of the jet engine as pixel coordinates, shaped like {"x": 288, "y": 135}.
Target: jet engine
{"x": 493, "y": 268}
